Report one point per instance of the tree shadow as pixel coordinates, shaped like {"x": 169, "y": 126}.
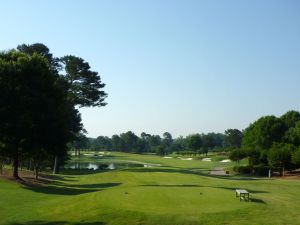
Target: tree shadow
{"x": 80, "y": 171}
{"x": 171, "y": 185}
{"x": 61, "y": 178}
{"x": 256, "y": 191}
{"x": 251, "y": 191}
{"x": 256, "y": 200}
{"x": 114, "y": 156}
{"x": 101, "y": 185}
{"x": 56, "y": 190}
{"x": 72, "y": 189}
{"x": 38, "y": 222}
{"x": 193, "y": 172}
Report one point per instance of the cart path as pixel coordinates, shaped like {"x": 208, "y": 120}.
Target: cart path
{"x": 218, "y": 171}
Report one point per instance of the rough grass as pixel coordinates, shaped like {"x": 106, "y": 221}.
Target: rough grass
{"x": 178, "y": 192}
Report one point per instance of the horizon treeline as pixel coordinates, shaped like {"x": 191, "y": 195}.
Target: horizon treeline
{"x": 162, "y": 145}
{"x": 270, "y": 142}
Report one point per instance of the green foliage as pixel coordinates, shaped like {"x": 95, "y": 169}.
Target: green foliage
{"x": 296, "y": 158}
{"x": 254, "y": 155}
{"x": 272, "y": 141}
{"x": 167, "y": 141}
{"x": 130, "y": 142}
{"x": 290, "y": 118}
{"x": 233, "y": 138}
{"x": 43, "y": 51}
{"x": 85, "y": 86}
{"x": 264, "y": 132}
{"x": 194, "y": 142}
{"x": 280, "y": 155}
{"x": 35, "y": 112}
{"x": 80, "y": 142}
{"x": 243, "y": 169}
{"x": 292, "y": 135}
{"x": 117, "y": 143}
{"x": 257, "y": 170}
{"x": 237, "y": 155}
{"x": 208, "y": 141}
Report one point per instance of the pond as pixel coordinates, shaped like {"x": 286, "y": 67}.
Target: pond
{"x": 102, "y": 166}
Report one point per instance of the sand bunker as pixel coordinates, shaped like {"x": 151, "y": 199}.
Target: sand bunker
{"x": 225, "y": 160}
{"x": 206, "y": 159}
{"x": 186, "y": 158}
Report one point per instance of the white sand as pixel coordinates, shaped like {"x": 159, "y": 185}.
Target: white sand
{"x": 206, "y": 159}
{"x": 225, "y": 160}
{"x": 186, "y": 158}
{"x": 168, "y": 157}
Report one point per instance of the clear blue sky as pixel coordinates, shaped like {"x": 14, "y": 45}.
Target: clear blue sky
{"x": 177, "y": 66}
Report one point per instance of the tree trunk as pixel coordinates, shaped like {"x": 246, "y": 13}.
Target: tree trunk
{"x": 55, "y": 167}
{"x": 36, "y": 172}
{"x": 16, "y": 167}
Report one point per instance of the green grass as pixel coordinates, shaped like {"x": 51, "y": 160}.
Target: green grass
{"x": 178, "y": 192}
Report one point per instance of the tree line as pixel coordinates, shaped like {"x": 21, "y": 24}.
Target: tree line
{"x": 268, "y": 143}
{"x": 40, "y": 97}
{"x": 149, "y": 143}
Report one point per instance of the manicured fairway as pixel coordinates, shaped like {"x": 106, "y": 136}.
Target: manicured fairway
{"x": 177, "y": 192}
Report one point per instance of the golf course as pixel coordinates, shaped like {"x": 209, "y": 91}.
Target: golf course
{"x": 150, "y": 112}
{"x": 148, "y": 189}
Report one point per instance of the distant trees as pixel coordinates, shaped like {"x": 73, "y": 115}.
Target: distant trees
{"x": 233, "y": 138}
{"x": 116, "y": 143}
{"x": 148, "y": 143}
{"x": 270, "y": 142}
{"x": 194, "y": 142}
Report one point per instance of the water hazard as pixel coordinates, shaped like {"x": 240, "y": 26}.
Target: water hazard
{"x": 102, "y": 166}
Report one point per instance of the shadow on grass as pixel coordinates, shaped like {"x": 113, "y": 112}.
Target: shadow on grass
{"x": 251, "y": 191}
{"x": 256, "y": 200}
{"x": 193, "y": 172}
{"x": 80, "y": 171}
{"x": 101, "y": 185}
{"x": 56, "y": 190}
{"x": 38, "y": 222}
{"x": 61, "y": 178}
{"x": 171, "y": 185}
{"x": 75, "y": 189}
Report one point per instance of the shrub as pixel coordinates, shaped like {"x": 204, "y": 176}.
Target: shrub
{"x": 243, "y": 169}
{"x": 261, "y": 170}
